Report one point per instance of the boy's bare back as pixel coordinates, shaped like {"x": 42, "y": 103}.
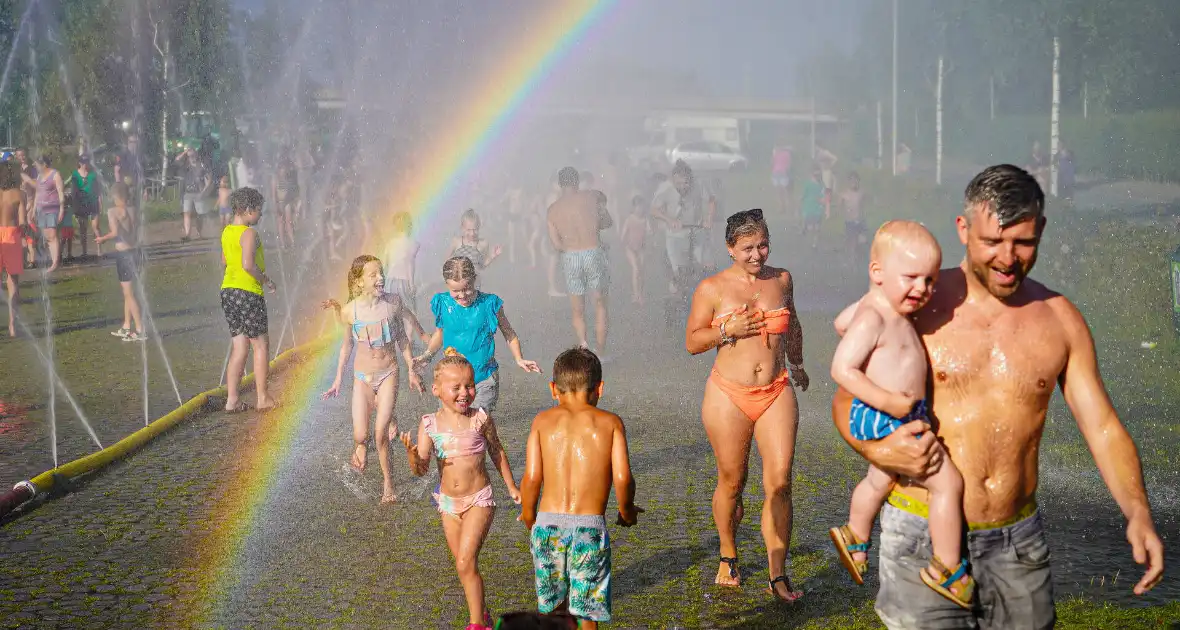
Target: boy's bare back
{"x": 580, "y": 450}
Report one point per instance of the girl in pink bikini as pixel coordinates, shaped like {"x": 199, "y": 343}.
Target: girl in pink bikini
{"x": 461, "y": 436}
{"x": 377, "y": 327}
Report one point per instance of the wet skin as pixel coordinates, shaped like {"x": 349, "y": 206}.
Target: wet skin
{"x": 997, "y": 344}
{"x": 577, "y": 452}
{"x": 746, "y": 287}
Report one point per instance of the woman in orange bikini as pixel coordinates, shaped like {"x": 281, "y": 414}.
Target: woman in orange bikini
{"x": 745, "y": 312}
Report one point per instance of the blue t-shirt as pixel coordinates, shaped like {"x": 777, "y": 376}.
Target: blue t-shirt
{"x": 471, "y": 330}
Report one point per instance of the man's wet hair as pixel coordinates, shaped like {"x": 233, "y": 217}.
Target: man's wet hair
{"x": 245, "y": 200}
{"x": 568, "y": 177}
{"x": 744, "y": 223}
{"x": 682, "y": 168}
{"x": 9, "y": 175}
{"x": 577, "y": 370}
{"x": 1008, "y": 192}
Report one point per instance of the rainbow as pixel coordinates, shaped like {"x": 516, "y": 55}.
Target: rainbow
{"x": 455, "y": 149}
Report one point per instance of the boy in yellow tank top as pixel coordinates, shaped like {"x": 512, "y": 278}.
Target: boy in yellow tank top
{"x": 242, "y": 299}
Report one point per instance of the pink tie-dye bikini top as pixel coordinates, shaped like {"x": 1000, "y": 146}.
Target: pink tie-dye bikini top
{"x": 459, "y": 443}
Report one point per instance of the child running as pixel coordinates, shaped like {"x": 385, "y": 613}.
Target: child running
{"x": 881, "y": 361}
{"x": 460, "y": 435}
{"x": 377, "y": 322}
{"x": 223, "y": 193}
{"x": 466, "y": 319}
{"x": 575, "y": 452}
{"x": 634, "y": 237}
{"x": 812, "y": 207}
{"x": 122, "y": 229}
{"x": 242, "y": 300}
{"x": 401, "y": 255}
{"x": 469, "y": 245}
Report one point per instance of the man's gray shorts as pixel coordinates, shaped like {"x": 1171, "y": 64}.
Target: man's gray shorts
{"x": 194, "y": 202}
{"x": 1013, "y": 587}
{"x": 487, "y": 392}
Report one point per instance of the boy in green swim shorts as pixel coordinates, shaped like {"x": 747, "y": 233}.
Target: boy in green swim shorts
{"x": 575, "y": 450}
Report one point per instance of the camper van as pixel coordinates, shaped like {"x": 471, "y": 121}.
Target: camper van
{"x": 707, "y": 143}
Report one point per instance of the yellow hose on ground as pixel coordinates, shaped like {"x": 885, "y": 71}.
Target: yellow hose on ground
{"x": 44, "y": 482}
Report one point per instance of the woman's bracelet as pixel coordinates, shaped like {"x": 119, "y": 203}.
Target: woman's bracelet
{"x": 725, "y": 339}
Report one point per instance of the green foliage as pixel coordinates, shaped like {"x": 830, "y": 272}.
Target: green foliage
{"x": 1139, "y": 145}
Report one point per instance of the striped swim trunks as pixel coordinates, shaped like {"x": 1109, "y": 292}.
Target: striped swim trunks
{"x": 868, "y": 423}
{"x": 585, "y": 271}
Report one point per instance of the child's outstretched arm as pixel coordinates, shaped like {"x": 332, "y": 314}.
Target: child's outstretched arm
{"x": 335, "y": 306}
{"x": 620, "y": 463}
{"x": 851, "y": 355}
{"x": 432, "y": 348}
{"x": 403, "y": 344}
{"x": 530, "y": 484}
{"x": 496, "y": 450}
{"x": 514, "y": 343}
{"x": 418, "y": 454}
{"x": 345, "y": 351}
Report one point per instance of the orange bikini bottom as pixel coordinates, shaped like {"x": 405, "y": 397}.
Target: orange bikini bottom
{"x": 753, "y": 400}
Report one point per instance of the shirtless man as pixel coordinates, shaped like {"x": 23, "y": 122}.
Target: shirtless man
{"x": 576, "y": 451}
{"x": 997, "y": 343}
{"x": 13, "y": 218}
{"x": 575, "y": 220}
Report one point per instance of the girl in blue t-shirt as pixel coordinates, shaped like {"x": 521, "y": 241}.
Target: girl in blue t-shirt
{"x": 466, "y": 319}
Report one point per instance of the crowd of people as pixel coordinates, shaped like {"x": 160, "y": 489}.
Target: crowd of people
{"x": 944, "y": 375}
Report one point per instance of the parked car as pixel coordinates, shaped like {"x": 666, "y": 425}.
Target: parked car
{"x": 708, "y": 156}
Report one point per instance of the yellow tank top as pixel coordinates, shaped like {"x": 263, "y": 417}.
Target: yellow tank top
{"x": 231, "y": 252}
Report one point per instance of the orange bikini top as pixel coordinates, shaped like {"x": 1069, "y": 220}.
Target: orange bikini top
{"x": 776, "y": 321}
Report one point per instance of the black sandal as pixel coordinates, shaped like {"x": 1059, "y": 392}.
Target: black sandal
{"x": 785, "y": 580}
{"x": 733, "y": 571}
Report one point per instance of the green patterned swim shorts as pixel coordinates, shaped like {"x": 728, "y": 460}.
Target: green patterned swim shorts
{"x": 571, "y": 555}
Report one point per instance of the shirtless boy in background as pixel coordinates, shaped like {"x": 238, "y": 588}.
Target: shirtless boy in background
{"x": 575, "y": 450}
{"x": 881, "y": 361}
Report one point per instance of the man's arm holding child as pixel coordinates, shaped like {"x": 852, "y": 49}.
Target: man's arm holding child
{"x": 501, "y": 458}
{"x": 530, "y": 484}
{"x": 848, "y": 365}
{"x": 620, "y": 464}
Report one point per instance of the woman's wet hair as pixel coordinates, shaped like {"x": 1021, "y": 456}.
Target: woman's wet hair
{"x": 458, "y": 269}
{"x": 470, "y": 216}
{"x": 744, "y": 223}
{"x": 356, "y": 271}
